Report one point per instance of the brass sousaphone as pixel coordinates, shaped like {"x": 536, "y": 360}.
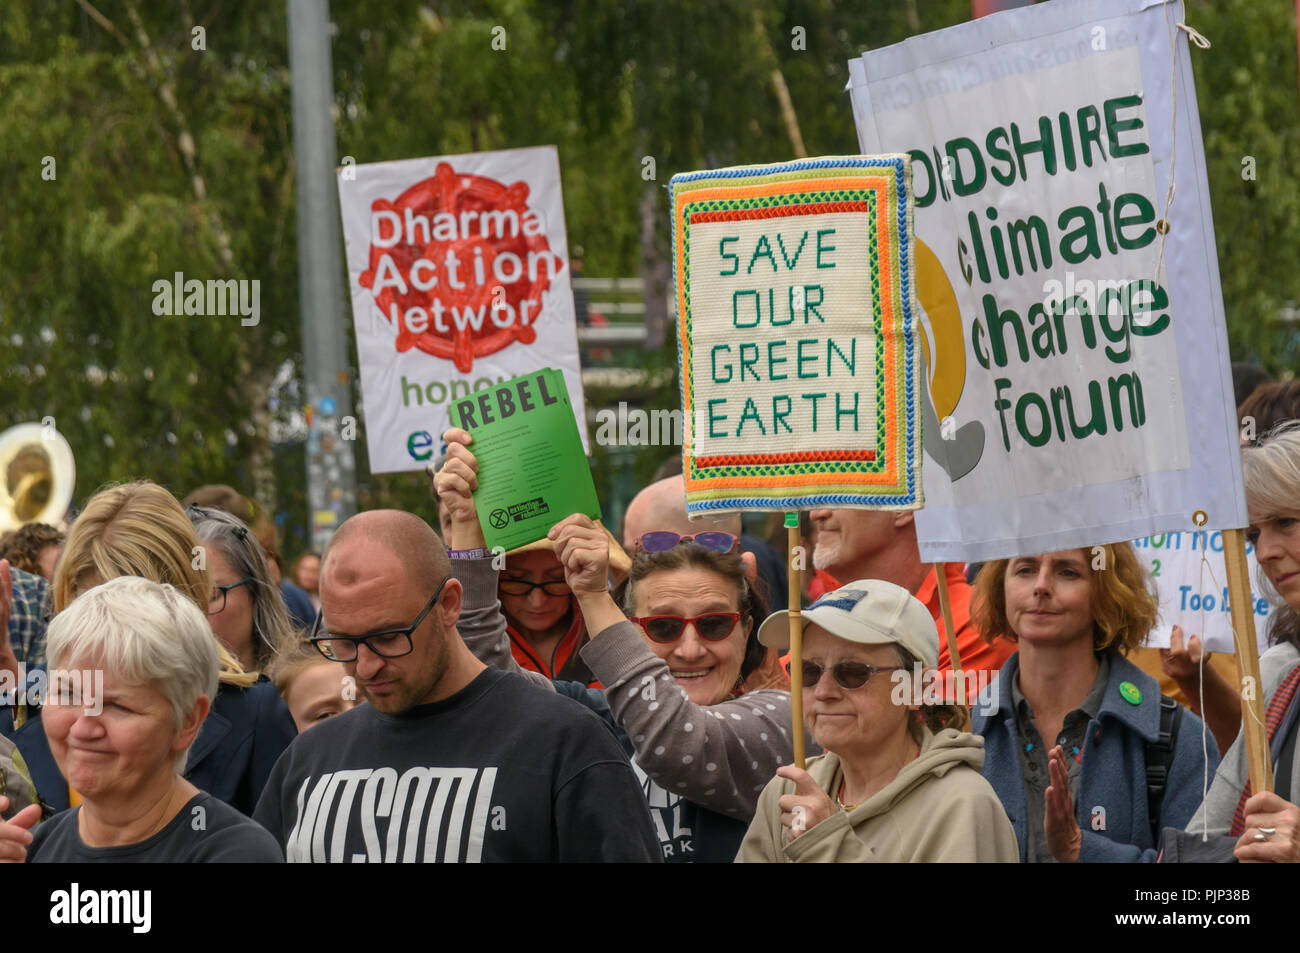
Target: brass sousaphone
{"x": 37, "y": 476}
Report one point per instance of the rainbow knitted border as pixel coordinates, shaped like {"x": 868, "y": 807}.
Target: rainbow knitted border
{"x": 886, "y": 475}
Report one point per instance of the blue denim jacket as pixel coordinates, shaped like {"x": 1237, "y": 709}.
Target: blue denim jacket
{"x": 1112, "y": 775}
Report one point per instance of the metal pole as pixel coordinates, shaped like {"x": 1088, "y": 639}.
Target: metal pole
{"x": 331, "y": 468}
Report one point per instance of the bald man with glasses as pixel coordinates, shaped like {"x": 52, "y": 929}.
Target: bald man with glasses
{"x": 448, "y": 760}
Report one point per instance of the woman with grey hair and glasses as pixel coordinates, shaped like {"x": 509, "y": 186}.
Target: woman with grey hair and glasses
{"x": 133, "y": 673}
{"x": 246, "y": 610}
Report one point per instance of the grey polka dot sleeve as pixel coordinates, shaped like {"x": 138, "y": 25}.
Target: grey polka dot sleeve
{"x": 719, "y": 756}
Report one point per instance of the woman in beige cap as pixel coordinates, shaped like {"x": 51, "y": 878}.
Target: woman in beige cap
{"x": 897, "y": 782}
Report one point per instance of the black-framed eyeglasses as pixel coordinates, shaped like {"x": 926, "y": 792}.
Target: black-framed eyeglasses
{"x": 848, "y": 675}
{"x": 390, "y": 643}
{"x": 522, "y": 587}
{"x": 217, "y": 601}
{"x": 662, "y": 540}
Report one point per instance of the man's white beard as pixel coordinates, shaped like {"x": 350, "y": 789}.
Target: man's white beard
{"x": 824, "y": 555}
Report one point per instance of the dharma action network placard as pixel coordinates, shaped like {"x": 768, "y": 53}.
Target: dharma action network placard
{"x": 797, "y": 335}
{"x": 459, "y": 278}
{"x": 1079, "y": 385}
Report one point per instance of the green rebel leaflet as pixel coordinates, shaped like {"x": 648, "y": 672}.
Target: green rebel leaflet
{"x": 800, "y": 365}
{"x": 532, "y": 471}
{"x": 1079, "y": 382}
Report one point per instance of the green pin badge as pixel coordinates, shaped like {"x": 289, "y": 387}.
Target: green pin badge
{"x": 1130, "y": 693}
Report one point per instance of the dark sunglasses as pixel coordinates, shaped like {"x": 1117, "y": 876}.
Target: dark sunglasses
{"x": 522, "y": 587}
{"x": 848, "y": 675}
{"x": 713, "y": 626}
{"x": 662, "y": 541}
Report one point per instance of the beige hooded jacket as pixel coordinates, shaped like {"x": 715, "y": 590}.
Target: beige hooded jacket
{"x": 938, "y": 808}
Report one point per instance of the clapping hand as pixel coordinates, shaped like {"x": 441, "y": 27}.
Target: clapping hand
{"x": 1181, "y": 663}
{"x": 1064, "y": 839}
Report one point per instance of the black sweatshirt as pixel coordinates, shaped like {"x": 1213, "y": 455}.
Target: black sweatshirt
{"x": 501, "y": 771}
{"x": 204, "y": 831}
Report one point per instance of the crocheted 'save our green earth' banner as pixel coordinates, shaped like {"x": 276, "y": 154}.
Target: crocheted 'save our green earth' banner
{"x": 797, "y": 335}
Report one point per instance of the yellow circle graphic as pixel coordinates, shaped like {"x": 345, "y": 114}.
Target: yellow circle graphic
{"x": 945, "y": 356}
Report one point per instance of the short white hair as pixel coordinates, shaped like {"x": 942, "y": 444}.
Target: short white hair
{"x": 143, "y": 632}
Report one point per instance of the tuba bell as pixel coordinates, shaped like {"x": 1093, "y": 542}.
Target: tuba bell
{"x": 37, "y": 476}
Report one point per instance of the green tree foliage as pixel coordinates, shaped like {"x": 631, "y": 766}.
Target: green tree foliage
{"x": 98, "y": 206}
{"x": 1249, "y": 98}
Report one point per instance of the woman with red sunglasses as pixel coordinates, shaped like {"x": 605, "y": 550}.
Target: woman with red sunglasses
{"x": 677, "y": 674}
{"x": 676, "y": 659}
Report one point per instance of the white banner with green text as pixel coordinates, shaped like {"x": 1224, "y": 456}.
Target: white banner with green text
{"x": 1079, "y": 384}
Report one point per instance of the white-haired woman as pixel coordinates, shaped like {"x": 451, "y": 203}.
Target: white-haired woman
{"x": 122, "y": 743}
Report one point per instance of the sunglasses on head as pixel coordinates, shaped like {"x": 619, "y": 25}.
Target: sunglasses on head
{"x": 196, "y": 512}
{"x": 712, "y": 626}
{"x": 848, "y": 675}
{"x": 662, "y": 541}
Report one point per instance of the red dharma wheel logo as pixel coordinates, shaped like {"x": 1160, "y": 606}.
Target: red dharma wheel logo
{"x": 459, "y": 264}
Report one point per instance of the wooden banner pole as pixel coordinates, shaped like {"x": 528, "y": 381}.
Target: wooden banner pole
{"x": 1243, "y": 630}
{"x": 796, "y": 636}
{"x": 945, "y": 605}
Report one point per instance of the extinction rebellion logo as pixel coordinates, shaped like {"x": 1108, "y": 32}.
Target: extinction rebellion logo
{"x": 460, "y": 266}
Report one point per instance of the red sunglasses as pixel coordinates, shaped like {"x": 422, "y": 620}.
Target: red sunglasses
{"x": 713, "y": 626}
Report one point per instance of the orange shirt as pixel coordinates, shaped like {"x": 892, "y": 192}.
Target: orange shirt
{"x": 975, "y": 652}
{"x": 821, "y": 583}
{"x": 568, "y": 663}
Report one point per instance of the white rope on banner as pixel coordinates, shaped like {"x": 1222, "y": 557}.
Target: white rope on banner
{"x": 1200, "y": 671}
{"x": 1162, "y": 226}
{"x": 1192, "y": 35}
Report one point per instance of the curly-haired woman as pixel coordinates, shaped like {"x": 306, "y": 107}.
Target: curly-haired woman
{"x": 1075, "y": 749}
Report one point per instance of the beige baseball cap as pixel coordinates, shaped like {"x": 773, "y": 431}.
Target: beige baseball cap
{"x": 870, "y": 612}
